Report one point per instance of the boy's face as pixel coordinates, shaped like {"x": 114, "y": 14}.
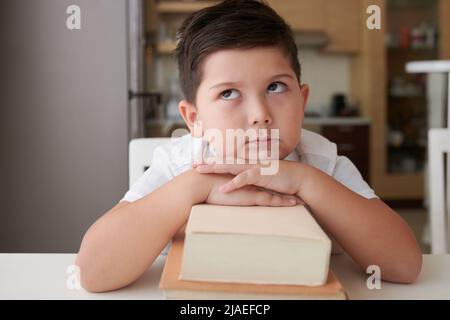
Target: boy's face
{"x": 249, "y": 89}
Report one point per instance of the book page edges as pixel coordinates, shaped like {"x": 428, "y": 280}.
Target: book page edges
{"x": 170, "y": 280}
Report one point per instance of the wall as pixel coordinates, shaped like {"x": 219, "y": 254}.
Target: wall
{"x": 326, "y": 74}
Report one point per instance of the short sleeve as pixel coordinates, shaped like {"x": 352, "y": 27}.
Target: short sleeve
{"x": 157, "y": 175}
{"x": 346, "y": 173}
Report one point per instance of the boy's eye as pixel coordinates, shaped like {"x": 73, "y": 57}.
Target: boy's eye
{"x": 276, "y": 87}
{"x": 229, "y": 94}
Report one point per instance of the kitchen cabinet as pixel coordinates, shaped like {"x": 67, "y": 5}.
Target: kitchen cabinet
{"x": 339, "y": 20}
{"x": 351, "y": 136}
{"x": 444, "y": 27}
{"x": 301, "y": 15}
{"x": 343, "y": 24}
{"x": 352, "y": 141}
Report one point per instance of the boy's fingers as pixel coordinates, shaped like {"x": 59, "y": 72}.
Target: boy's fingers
{"x": 249, "y": 177}
{"x": 264, "y": 198}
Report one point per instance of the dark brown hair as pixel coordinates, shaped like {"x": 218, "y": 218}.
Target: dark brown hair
{"x": 230, "y": 24}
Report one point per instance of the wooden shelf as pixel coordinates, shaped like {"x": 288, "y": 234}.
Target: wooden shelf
{"x": 182, "y": 6}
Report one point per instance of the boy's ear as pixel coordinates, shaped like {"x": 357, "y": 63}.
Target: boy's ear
{"x": 304, "y": 90}
{"x": 189, "y": 113}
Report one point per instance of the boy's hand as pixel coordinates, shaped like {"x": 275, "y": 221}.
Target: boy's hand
{"x": 286, "y": 180}
{"x": 247, "y": 195}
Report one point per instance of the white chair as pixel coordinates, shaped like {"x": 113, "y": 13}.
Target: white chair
{"x": 140, "y": 154}
{"x": 436, "y": 72}
{"x": 438, "y": 145}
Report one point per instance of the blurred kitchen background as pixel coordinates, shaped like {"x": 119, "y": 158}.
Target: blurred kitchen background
{"x": 71, "y": 100}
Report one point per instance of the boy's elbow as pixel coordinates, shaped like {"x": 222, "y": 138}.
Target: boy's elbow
{"x": 414, "y": 269}
{"x": 91, "y": 285}
{"x": 406, "y": 270}
{"x": 85, "y": 278}
{"x": 89, "y": 279}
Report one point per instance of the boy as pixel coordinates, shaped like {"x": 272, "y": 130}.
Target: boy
{"x": 239, "y": 70}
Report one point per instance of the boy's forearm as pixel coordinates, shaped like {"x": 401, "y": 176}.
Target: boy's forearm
{"x": 369, "y": 231}
{"x": 124, "y": 242}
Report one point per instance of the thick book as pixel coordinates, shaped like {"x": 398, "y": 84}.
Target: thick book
{"x": 256, "y": 245}
{"x": 177, "y": 289}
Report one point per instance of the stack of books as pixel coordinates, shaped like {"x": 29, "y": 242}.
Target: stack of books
{"x": 229, "y": 252}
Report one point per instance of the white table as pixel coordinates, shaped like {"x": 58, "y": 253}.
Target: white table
{"x": 43, "y": 276}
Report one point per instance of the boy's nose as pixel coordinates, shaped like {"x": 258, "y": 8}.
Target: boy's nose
{"x": 259, "y": 114}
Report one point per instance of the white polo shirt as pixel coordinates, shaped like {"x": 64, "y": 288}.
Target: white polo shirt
{"x": 175, "y": 157}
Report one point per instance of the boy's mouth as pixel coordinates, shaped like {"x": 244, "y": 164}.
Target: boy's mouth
{"x": 267, "y": 140}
